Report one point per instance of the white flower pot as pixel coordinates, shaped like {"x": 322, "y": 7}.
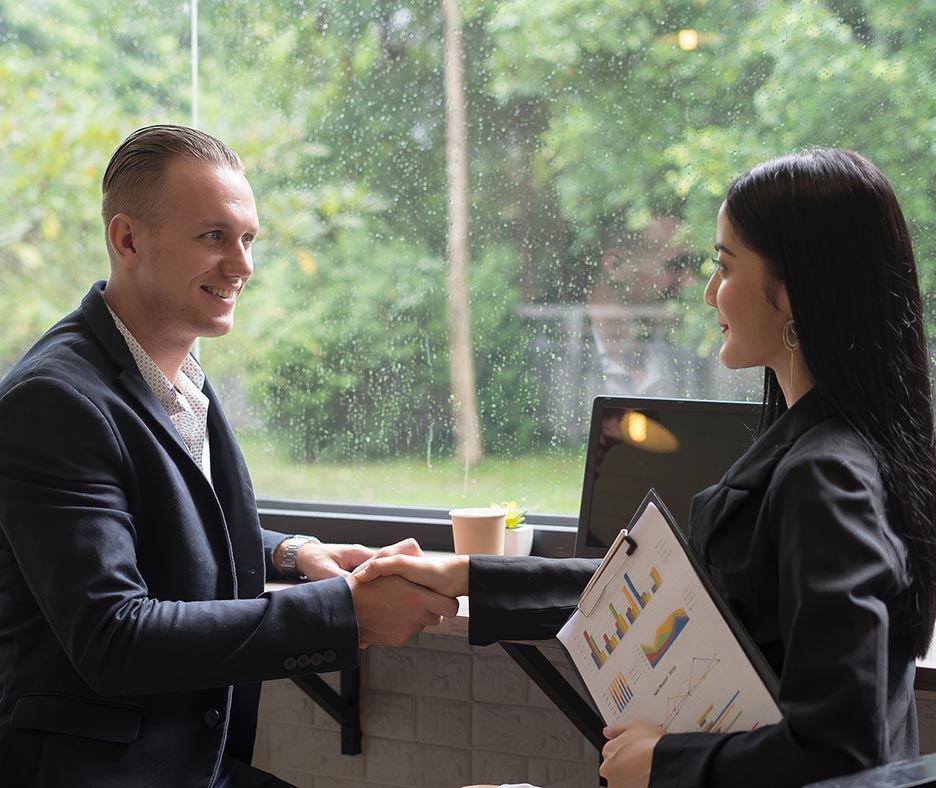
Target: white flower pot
{"x": 519, "y": 540}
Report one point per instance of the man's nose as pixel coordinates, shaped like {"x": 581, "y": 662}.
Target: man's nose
{"x": 239, "y": 261}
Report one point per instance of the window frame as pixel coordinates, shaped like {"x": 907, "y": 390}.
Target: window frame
{"x": 378, "y": 526}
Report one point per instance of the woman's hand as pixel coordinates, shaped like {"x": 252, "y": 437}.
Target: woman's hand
{"x": 628, "y": 754}
{"x": 317, "y": 561}
{"x": 447, "y": 575}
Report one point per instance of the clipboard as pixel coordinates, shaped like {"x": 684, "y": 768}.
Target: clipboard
{"x": 652, "y": 638}
{"x": 590, "y": 597}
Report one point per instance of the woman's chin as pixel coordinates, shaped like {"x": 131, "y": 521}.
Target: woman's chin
{"x": 728, "y": 362}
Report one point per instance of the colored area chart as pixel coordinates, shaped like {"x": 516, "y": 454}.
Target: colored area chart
{"x": 666, "y": 635}
{"x": 620, "y": 691}
{"x": 636, "y": 602}
{"x": 724, "y": 720}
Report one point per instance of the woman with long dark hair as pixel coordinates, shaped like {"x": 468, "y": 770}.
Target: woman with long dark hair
{"x": 845, "y": 259}
{"x": 822, "y": 536}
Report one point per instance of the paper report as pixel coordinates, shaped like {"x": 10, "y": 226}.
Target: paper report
{"x": 650, "y": 642}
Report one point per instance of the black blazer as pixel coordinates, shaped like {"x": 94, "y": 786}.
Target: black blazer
{"x": 133, "y": 625}
{"x": 797, "y": 537}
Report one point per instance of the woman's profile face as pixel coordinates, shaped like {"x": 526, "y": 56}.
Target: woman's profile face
{"x": 751, "y": 323}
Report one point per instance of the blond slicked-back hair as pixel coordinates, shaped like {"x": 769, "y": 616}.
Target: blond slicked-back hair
{"x": 132, "y": 178}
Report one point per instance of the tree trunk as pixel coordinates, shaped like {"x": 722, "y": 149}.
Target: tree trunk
{"x": 467, "y": 424}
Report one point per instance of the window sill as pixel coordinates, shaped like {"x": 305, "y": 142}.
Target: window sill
{"x": 377, "y": 526}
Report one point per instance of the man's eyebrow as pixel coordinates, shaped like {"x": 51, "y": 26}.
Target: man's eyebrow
{"x": 224, "y": 224}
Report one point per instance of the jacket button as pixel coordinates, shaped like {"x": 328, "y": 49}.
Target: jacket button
{"x": 289, "y": 663}
{"x": 212, "y": 717}
{"x": 316, "y": 659}
{"x": 302, "y": 661}
{"x": 330, "y": 656}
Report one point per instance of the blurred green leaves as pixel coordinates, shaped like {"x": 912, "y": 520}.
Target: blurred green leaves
{"x": 587, "y": 121}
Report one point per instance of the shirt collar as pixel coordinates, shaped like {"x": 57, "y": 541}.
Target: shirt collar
{"x": 155, "y": 378}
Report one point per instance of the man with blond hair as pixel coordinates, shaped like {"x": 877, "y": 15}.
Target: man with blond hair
{"x": 134, "y": 626}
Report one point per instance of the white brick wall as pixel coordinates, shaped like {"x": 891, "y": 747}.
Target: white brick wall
{"x": 436, "y": 713}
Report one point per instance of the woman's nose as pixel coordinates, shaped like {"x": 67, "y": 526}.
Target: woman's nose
{"x": 711, "y": 288}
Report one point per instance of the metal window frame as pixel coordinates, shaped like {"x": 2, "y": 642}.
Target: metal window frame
{"x": 376, "y": 526}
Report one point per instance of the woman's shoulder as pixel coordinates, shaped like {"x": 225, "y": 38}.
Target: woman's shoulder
{"x": 827, "y": 497}
{"x": 830, "y": 483}
{"x": 830, "y": 469}
{"x": 831, "y": 442}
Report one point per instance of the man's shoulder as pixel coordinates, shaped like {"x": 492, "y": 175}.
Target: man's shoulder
{"x": 68, "y": 351}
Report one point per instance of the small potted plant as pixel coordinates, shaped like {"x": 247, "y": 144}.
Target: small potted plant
{"x": 518, "y": 536}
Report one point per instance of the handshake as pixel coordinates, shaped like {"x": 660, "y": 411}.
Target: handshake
{"x": 397, "y": 590}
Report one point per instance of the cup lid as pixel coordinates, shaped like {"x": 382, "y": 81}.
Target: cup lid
{"x": 478, "y": 511}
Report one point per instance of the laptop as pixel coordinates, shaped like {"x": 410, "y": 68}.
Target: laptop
{"x": 676, "y": 446}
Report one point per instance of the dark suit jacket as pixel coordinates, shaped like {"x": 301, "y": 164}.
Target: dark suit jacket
{"x": 134, "y": 630}
{"x": 797, "y": 537}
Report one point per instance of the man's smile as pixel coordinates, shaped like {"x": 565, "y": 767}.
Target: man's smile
{"x": 222, "y": 292}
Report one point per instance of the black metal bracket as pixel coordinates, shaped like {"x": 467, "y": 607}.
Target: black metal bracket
{"x": 544, "y": 674}
{"x": 344, "y": 708}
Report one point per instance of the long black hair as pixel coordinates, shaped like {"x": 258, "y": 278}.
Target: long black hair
{"x": 830, "y": 228}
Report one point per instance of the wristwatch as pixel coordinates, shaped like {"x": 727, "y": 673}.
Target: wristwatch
{"x": 290, "y": 551}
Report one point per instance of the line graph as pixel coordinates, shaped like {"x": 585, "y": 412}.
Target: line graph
{"x": 699, "y": 670}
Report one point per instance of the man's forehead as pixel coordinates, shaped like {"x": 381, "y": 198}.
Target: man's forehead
{"x": 205, "y": 188}
{"x": 199, "y": 170}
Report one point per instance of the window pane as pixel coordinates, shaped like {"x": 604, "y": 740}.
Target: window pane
{"x": 599, "y": 139}
{"x": 75, "y": 78}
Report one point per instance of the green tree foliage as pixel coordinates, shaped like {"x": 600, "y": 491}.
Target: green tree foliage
{"x": 74, "y": 78}
{"x": 587, "y": 122}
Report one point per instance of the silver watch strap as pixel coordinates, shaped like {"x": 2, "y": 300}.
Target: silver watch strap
{"x": 290, "y": 552}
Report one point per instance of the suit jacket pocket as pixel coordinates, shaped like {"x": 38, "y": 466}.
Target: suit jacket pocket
{"x": 84, "y": 717}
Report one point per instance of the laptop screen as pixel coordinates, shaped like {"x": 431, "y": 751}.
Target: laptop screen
{"x": 677, "y": 447}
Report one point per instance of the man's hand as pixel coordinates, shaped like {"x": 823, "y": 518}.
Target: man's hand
{"x": 628, "y": 754}
{"x": 319, "y": 561}
{"x": 390, "y": 610}
{"x": 447, "y": 575}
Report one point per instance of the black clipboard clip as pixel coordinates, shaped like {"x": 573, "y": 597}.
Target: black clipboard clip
{"x": 593, "y": 590}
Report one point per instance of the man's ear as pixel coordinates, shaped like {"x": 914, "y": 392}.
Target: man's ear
{"x": 123, "y": 233}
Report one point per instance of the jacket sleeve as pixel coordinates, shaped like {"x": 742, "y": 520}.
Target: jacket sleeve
{"x": 840, "y": 573}
{"x": 65, "y": 513}
{"x": 271, "y": 540}
{"x": 519, "y": 598}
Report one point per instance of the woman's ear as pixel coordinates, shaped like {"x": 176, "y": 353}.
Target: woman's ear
{"x": 782, "y": 300}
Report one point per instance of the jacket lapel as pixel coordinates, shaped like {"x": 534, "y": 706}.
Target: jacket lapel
{"x": 98, "y": 317}
{"x": 235, "y": 494}
{"x": 750, "y": 474}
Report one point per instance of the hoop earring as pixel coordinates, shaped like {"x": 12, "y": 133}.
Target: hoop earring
{"x": 790, "y": 340}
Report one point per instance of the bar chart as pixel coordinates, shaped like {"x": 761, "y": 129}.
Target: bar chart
{"x": 724, "y": 720}
{"x": 620, "y": 692}
{"x": 621, "y": 623}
